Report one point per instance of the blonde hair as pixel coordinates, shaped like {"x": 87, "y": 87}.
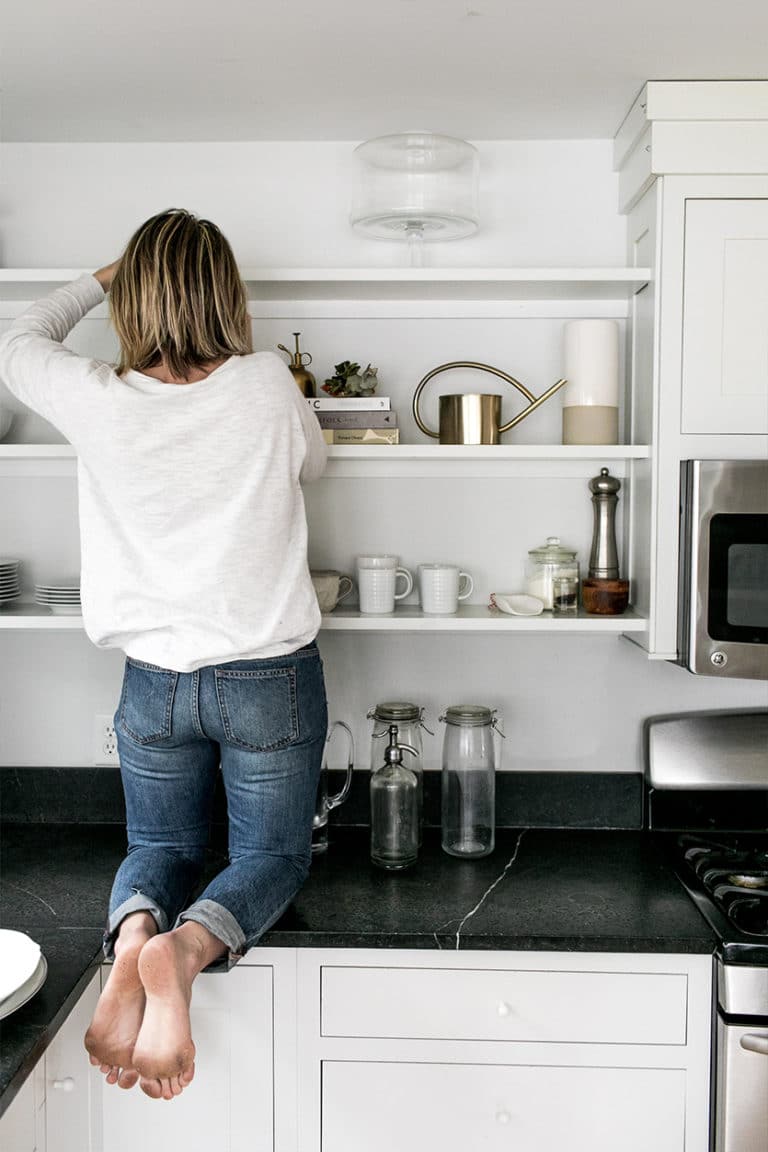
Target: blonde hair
{"x": 177, "y": 296}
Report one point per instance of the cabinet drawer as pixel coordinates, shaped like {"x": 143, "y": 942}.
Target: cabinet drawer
{"x": 473, "y": 1004}
{"x": 455, "y": 1107}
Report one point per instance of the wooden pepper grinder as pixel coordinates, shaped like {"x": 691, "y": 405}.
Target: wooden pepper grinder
{"x": 603, "y": 593}
{"x": 301, "y": 374}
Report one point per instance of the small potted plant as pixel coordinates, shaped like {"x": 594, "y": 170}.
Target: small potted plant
{"x": 348, "y": 380}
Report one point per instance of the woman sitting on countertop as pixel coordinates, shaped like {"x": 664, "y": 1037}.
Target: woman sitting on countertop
{"x": 191, "y": 453}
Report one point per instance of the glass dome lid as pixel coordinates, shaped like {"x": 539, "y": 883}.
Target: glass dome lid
{"x": 416, "y": 185}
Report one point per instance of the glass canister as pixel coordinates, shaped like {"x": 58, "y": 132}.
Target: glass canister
{"x": 394, "y": 795}
{"x": 544, "y": 564}
{"x": 468, "y": 780}
{"x": 410, "y": 721}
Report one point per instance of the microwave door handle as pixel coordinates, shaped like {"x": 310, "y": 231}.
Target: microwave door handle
{"x": 754, "y": 1043}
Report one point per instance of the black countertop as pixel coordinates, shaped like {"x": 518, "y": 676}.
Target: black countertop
{"x": 566, "y": 890}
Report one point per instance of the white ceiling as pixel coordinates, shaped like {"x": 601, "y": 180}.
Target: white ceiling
{"x": 79, "y": 70}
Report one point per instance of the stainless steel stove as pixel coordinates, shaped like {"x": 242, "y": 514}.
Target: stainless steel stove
{"x": 708, "y": 801}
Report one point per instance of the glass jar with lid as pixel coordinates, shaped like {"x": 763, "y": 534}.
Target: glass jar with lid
{"x": 468, "y": 780}
{"x": 410, "y": 722}
{"x": 544, "y": 564}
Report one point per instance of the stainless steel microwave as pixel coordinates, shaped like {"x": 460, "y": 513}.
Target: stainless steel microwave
{"x": 723, "y": 578}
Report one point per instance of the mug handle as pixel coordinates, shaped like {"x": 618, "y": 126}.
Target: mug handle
{"x": 470, "y": 585}
{"x": 347, "y": 591}
{"x": 340, "y": 797}
{"x": 405, "y": 575}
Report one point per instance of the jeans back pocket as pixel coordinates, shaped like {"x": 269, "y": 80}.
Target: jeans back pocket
{"x": 146, "y": 702}
{"x": 258, "y": 707}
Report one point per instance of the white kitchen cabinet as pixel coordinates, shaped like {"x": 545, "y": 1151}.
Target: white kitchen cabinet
{"x": 455, "y": 1107}
{"x": 365, "y": 1050}
{"x": 536, "y": 1051}
{"x": 22, "y": 1128}
{"x": 725, "y": 317}
{"x": 72, "y": 1107}
{"x": 229, "y": 1105}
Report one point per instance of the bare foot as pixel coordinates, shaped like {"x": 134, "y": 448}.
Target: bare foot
{"x": 164, "y": 1053}
{"x": 111, "y": 1037}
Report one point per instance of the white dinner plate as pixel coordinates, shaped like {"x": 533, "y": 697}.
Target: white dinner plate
{"x": 19, "y": 956}
{"x": 64, "y": 609}
{"x": 27, "y": 990}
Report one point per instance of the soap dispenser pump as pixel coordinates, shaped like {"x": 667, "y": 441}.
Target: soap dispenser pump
{"x": 394, "y": 808}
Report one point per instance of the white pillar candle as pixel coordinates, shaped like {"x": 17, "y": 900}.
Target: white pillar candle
{"x": 591, "y": 396}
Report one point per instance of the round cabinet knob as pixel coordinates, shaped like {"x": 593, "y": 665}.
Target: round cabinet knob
{"x": 65, "y": 1085}
{"x": 503, "y": 1009}
{"x": 503, "y": 1117}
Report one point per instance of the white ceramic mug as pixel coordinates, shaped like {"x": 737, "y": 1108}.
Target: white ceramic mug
{"x": 442, "y": 586}
{"x": 377, "y": 577}
{"x": 330, "y": 588}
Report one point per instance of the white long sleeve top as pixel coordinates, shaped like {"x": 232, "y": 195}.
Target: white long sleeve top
{"x": 193, "y": 530}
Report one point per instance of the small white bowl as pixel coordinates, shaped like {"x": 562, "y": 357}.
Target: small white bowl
{"x": 517, "y": 603}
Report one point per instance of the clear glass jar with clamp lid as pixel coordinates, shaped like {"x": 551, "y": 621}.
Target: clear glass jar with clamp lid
{"x": 469, "y": 780}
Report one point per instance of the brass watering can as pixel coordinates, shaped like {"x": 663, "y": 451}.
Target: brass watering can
{"x": 475, "y": 418}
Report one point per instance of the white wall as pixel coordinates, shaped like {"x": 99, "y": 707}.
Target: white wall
{"x": 68, "y": 205}
{"x": 570, "y": 703}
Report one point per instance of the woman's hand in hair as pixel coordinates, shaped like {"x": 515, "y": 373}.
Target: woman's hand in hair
{"x": 105, "y": 275}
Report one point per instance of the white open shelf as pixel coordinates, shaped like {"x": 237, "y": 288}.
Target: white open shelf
{"x": 390, "y": 283}
{"x": 409, "y": 618}
{"x": 404, "y": 461}
{"x": 20, "y": 614}
{"x": 477, "y": 618}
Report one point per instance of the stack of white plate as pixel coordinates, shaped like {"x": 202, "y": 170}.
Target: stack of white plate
{"x": 10, "y": 584}
{"x": 22, "y": 970}
{"x": 63, "y": 597}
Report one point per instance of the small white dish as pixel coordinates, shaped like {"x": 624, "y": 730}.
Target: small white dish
{"x": 27, "y": 990}
{"x": 19, "y": 957}
{"x": 517, "y": 603}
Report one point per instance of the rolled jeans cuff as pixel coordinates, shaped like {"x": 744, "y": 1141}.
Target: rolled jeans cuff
{"x": 220, "y": 923}
{"x": 136, "y": 903}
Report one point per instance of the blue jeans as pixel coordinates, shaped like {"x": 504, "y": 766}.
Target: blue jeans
{"x": 264, "y": 722}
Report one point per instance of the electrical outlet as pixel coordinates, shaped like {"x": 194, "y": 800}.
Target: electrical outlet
{"x": 104, "y": 741}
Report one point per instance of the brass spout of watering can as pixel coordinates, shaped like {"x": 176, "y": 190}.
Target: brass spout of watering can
{"x": 475, "y": 418}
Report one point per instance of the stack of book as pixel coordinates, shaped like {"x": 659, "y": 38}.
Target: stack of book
{"x": 356, "y": 419}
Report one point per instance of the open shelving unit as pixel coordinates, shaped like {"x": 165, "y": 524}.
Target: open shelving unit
{"x": 397, "y": 293}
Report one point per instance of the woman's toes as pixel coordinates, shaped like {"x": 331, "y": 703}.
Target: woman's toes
{"x": 105, "y": 1068}
{"x": 113, "y": 1074}
{"x": 187, "y": 1076}
{"x": 128, "y": 1078}
{"x": 150, "y": 1087}
{"x": 167, "y": 1092}
{"x": 176, "y": 1087}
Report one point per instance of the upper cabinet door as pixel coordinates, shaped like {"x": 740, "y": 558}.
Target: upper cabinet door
{"x": 725, "y": 317}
